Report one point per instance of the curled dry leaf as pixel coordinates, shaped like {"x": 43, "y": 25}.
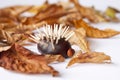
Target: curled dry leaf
{"x": 6, "y": 16}
{"x": 4, "y": 48}
{"x": 52, "y": 12}
{"x": 7, "y": 26}
{"x": 35, "y": 9}
{"x": 69, "y": 18}
{"x": 79, "y": 38}
{"x": 95, "y": 32}
{"x": 90, "y": 13}
{"x": 17, "y": 10}
{"x": 11, "y": 38}
{"x": 111, "y": 13}
{"x": 19, "y": 59}
{"x": 26, "y": 29}
{"x": 54, "y": 58}
{"x": 18, "y": 33}
{"x": 89, "y": 57}
{"x": 21, "y": 28}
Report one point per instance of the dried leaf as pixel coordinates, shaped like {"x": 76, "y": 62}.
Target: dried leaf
{"x": 95, "y": 32}
{"x": 90, "y": 13}
{"x": 19, "y": 59}
{"x": 37, "y": 9}
{"x": 18, "y": 33}
{"x": 111, "y": 13}
{"x": 6, "y": 20}
{"x": 66, "y": 5}
{"x": 7, "y": 16}
{"x": 50, "y": 9}
{"x": 4, "y": 48}
{"x": 54, "y": 58}
{"x": 17, "y": 10}
{"x": 7, "y": 26}
{"x": 8, "y": 38}
{"x": 91, "y": 57}
{"x": 79, "y": 38}
{"x": 69, "y": 18}
{"x": 50, "y": 12}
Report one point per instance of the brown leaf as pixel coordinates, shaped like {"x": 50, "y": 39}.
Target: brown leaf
{"x": 6, "y": 20}
{"x": 54, "y": 58}
{"x": 4, "y": 48}
{"x": 91, "y": 57}
{"x": 7, "y": 26}
{"x": 19, "y": 59}
{"x": 50, "y": 9}
{"x": 17, "y": 10}
{"x": 18, "y": 33}
{"x": 111, "y": 13}
{"x": 69, "y": 18}
{"x": 79, "y": 38}
{"x": 50, "y": 12}
{"x": 7, "y": 16}
{"x": 11, "y": 38}
{"x": 95, "y": 32}
{"x": 36, "y": 9}
{"x": 90, "y": 13}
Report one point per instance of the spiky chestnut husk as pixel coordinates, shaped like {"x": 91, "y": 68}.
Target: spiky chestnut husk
{"x": 54, "y": 40}
{"x": 61, "y": 47}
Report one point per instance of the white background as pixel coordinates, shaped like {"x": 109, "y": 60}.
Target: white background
{"x": 110, "y": 46}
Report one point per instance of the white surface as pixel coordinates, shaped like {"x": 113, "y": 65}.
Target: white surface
{"x": 110, "y": 46}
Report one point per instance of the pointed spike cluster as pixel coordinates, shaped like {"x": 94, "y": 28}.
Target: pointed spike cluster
{"x": 53, "y": 34}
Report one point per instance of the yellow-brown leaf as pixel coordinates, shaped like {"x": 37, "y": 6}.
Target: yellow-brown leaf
{"x": 79, "y": 38}
{"x": 91, "y": 57}
{"x": 89, "y": 12}
{"x": 95, "y": 32}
